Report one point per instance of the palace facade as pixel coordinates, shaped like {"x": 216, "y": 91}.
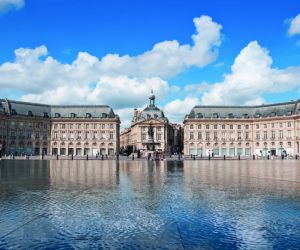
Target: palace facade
{"x": 243, "y": 130}
{"x": 151, "y": 131}
{"x": 35, "y": 129}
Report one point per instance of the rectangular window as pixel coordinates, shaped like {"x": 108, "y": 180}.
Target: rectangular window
{"x": 159, "y": 137}
{"x": 247, "y": 135}
{"x": 231, "y": 126}
{"x": 199, "y": 135}
{"x": 103, "y": 126}
{"x": 289, "y": 134}
{"x": 257, "y": 126}
{"x": 191, "y": 126}
{"x": 111, "y": 126}
{"x": 55, "y": 135}
{"x": 223, "y": 126}
{"x": 265, "y": 135}
{"x": 191, "y": 135}
{"x": 231, "y": 135}
{"x": 111, "y": 135}
{"x": 289, "y": 124}
{"x": 103, "y": 135}
{"x": 273, "y": 134}
{"x": 207, "y": 126}
{"x": 257, "y": 135}
{"x": 95, "y": 135}
{"x": 63, "y": 135}
{"x": 87, "y": 135}
{"x": 215, "y": 126}
{"x": 71, "y": 135}
{"x": 79, "y": 134}
{"x": 215, "y": 135}
{"x": 199, "y": 126}
{"x": 223, "y": 135}
{"x": 207, "y": 136}
{"x": 143, "y": 136}
{"x": 239, "y": 135}
{"x": 281, "y": 134}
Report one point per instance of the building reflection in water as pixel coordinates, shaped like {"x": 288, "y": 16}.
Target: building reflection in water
{"x": 140, "y": 204}
{"x": 247, "y": 177}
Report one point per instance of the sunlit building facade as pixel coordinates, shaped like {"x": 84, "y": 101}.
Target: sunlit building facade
{"x": 151, "y": 131}
{"x": 243, "y": 130}
{"x": 35, "y": 129}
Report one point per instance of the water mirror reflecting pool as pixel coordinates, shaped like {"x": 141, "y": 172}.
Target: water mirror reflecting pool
{"x": 138, "y": 204}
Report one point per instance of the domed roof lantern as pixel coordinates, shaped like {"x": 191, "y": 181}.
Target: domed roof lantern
{"x": 152, "y": 99}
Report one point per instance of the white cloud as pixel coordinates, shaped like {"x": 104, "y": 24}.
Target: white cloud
{"x": 6, "y": 5}
{"x": 34, "y": 71}
{"x": 252, "y": 76}
{"x": 177, "y": 109}
{"x": 119, "y": 92}
{"x": 294, "y": 25}
{"x": 123, "y": 82}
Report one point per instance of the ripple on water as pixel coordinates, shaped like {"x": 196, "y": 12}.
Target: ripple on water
{"x": 132, "y": 205}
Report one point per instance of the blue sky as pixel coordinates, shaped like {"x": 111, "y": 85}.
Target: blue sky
{"x": 99, "y": 28}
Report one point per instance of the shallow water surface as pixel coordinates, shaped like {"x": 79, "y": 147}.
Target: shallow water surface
{"x": 138, "y": 204}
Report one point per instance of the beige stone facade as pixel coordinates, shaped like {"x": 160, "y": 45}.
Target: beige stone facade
{"x": 254, "y": 130}
{"x": 84, "y": 136}
{"x": 35, "y": 129}
{"x": 150, "y": 131}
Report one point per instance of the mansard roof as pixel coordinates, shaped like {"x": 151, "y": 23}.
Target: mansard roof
{"x": 63, "y": 111}
{"x": 256, "y": 111}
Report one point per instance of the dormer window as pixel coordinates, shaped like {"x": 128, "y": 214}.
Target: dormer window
{"x": 46, "y": 115}
{"x": 73, "y": 115}
{"x": 57, "y": 115}
{"x": 289, "y": 113}
{"x": 257, "y": 115}
{"x": 200, "y": 115}
{"x": 148, "y": 116}
{"x": 155, "y": 116}
{"x": 104, "y": 115}
{"x": 88, "y": 115}
{"x": 215, "y": 115}
{"x": 30, "y": 113}
{"x": 273, "y": 114}
{"x": 13, "y": 112}
{"x": 230, "y": 115}
{"x": 245, "y": 115}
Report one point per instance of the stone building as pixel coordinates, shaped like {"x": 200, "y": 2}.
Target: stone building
{"x": 150, "y": 131}
{"x": 243, "y": 130}
{"x": 30, "y": 128}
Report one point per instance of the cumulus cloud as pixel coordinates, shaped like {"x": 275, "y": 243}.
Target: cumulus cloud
{"x": 177, "y": 109}
{"x": 119, "y": 92}
{"x": 294, "y": 25}
{"x": 252, "y": 76}
{"x": 34, "y": 71}
{"x": 123, "y": 82}
{"x": 6, "y": 5}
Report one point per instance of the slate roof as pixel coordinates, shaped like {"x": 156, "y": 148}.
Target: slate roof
{"x": 269, "y": 110}
{"x": 65, "y": 111}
